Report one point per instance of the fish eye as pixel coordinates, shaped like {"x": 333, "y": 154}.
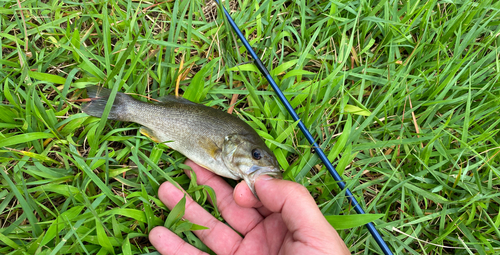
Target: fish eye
{"x": 256, "y": 154}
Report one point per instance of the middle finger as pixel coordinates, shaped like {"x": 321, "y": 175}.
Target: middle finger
{"x": 217, "y": 231}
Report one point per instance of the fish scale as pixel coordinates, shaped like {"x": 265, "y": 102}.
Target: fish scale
{"x": 214, "y": 139}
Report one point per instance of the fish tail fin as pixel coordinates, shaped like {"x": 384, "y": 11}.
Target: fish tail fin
{"x": 98, "y": 97}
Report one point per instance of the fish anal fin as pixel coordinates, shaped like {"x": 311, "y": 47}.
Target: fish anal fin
{"x": 149, "y": 133}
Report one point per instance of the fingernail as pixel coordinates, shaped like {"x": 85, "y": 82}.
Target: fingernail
{"x": 265, "y": 177}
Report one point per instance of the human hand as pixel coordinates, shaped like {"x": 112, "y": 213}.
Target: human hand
{"x": 286, "y": 220}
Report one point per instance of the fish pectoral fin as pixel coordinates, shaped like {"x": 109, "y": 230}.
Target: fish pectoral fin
{"x": 149, "y": 133}
{"x": 210, "y": 147}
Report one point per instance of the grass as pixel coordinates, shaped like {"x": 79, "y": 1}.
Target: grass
{"x": 403, "y": 95}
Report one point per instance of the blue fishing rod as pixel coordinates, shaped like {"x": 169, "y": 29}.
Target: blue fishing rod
{"x": 357, "y": 207}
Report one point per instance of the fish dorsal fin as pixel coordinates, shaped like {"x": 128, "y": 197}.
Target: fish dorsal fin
{"x": 173, "y": 99}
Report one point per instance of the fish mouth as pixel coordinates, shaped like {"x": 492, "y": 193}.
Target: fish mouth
{"x": 264, "y": 170}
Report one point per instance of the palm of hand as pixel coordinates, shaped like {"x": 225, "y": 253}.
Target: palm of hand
{"x": 288, "y": 224}
{"x": 271, "y": 236}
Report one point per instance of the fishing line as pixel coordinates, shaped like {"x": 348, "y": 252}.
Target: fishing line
{"x": 357, "y": 207}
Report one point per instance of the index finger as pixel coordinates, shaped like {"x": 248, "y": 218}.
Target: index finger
{"x": 240, "y": 218}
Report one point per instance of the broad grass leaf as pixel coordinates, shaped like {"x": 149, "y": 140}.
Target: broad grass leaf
{"x": 176, "y": 214}
{"x": 19, "y": 139}
{"x": 116, "y": 227}
{"x": 8, "y": 95}
{"x": 195, "y": 91}
{"x": 34, "y": 247}
{"x": 47, "y": 77}
{"x": 135, "y": 214}
{"x": 356, "y": 110}
{"x": 340, "y": 144}
{"x": 389, "y": 143}
{"x": 7, "y": 115}
{"x": 73, "y": 124}
{"x": 60, "y": 223}
{"x": 197, "y": 227}
{"x": 62, "y": 189}
{"x": 148, "y": 212}
{"x": 8, "y": 241}
{"x": 345, "y": 160}
{"x": 286, "y": 133}
{"x": 182, "y": 226}
{"x": 368, "y": 47}
{"x": 211, "y": 193}
{"x": 12, "y": 38}
{"x": 103, "y": 238}
{"x": 126, "y": 247}
{"x": 168, "y": 44}
{"x": 246, "y": 67}
{"x": 283, "y": 67}
{"x": 296, "y": 73}
{"x": 75, "y": 41}
{"x": 40, "y": 157}
{"x": 26, "y": 207}
{"x": 429, "y": 195}
{"x": 6, "y": 11}
{"x": 89, "y": 67}
{"x": 351, "y": 221}
{"x": 80, "y": 163}
{"x": 281, "y": 157}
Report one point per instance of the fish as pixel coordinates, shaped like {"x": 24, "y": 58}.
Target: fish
{"x": 213, "y": 139}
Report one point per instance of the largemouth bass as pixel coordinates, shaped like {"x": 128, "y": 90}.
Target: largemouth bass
{"x": 218, "y": 141}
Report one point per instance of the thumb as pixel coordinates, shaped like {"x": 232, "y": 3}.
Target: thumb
{"x": 300, "y": 213}
{"x": 292, "y": 200}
